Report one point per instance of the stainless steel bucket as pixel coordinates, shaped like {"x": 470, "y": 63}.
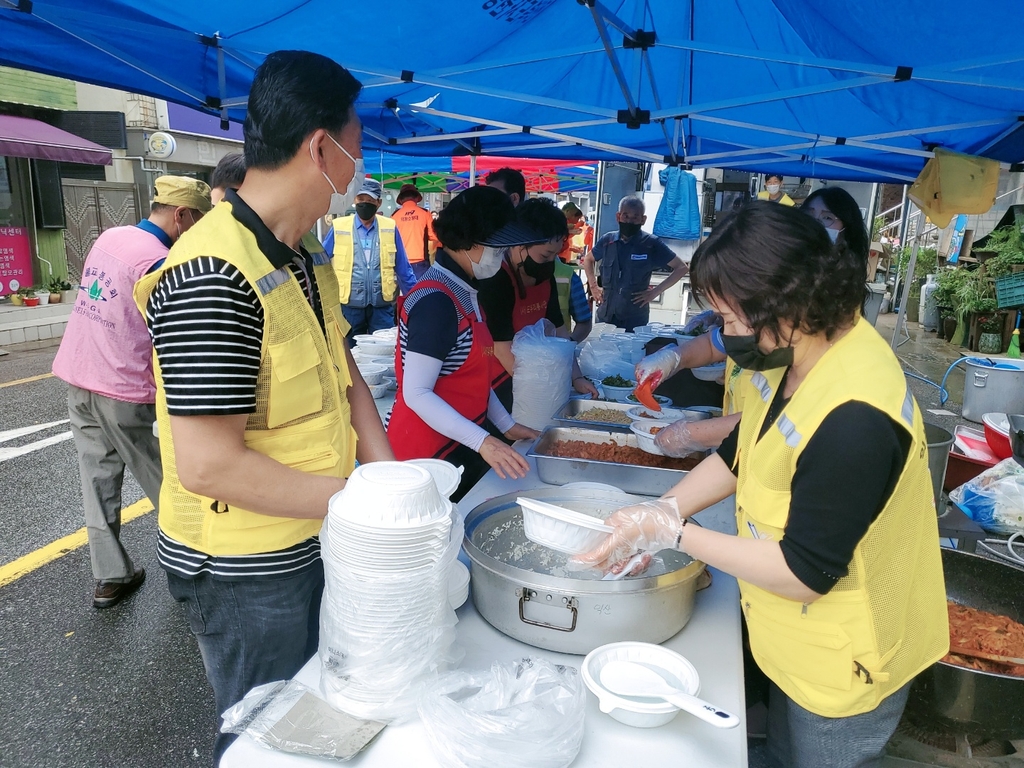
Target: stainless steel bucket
{"x": 574, "y": 615}
{"x": 939, "y": 441}
{"x": 990, "y": 389}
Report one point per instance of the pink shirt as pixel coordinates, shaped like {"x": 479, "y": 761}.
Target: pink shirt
{"x": 106, "y": 347}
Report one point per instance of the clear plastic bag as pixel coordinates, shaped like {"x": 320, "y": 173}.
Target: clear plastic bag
{"x": 542, "y": 377}
{"x": 290, "y": 717}
{"x": 600, "y": 358}
{"x": 527, "y": 714}
{"x": 995, "y": 498}
{"x": 378, "y": 669}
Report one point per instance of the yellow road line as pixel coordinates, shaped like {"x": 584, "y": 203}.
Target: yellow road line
{"x": 62, "y": 546}
{"x": 26, "y": 381}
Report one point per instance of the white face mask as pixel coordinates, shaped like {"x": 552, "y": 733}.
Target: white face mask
{"x": 342, "y": 202}
{"x": 773, "y": 189}
{"x": 489, "y": 264}
{"x": 833, "y": 234}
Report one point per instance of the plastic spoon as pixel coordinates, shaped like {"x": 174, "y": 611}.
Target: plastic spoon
{"x": 645, "y": 393}
{"x": 627, "y": 678}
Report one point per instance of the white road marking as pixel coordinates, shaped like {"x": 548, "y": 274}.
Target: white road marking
{"x": 6, "y": 454}
{"x": 14, "y": 434}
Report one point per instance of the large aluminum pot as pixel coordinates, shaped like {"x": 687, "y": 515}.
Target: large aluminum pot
{"x": 567, "y": 614}
{"x": 993, "y": 389}
{"x": 981, "y": 704}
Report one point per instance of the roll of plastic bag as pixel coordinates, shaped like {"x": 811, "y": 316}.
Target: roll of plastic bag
{"x": 527, "y": 714}
{"x": 542, "y": 376}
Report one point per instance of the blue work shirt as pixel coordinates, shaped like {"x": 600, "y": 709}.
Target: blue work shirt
{"x": 626, "y": 268}
{"x": 403, "y": 272}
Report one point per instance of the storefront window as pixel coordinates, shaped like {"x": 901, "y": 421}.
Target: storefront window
{"x": 12, "y": 185}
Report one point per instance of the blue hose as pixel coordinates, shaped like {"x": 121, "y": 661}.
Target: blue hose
{"x": 943, "y": 394}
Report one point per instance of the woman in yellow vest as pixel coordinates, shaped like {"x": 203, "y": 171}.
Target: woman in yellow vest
{"x": 837, "y": 552}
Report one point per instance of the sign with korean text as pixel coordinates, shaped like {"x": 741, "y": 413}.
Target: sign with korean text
{"x": 15, "y": 259}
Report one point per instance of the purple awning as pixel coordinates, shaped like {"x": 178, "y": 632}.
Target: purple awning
{"x": 25, "y": 137}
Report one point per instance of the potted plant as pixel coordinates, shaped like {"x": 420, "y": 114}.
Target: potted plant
{"x": 17, "y": 299}
{"x": 975, "y": 294}
{"x": 1008, "y": 245}
{"x": 29, "y": 297}
{"x": 57, "y": 288}
{"x": 990, "y": 330}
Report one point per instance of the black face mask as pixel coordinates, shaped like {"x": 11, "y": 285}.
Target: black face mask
{"x": 539, "y": 272}
{"x": 366, "y": 210}
{"x": 627, "y": 229}
{"x": 746, "y": 354}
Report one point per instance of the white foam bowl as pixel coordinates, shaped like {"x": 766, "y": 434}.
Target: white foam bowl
{"x": 644, "y": 438}
{"x": 665, "y": 414}
{"x": 660, "y": 399}
{"x": 458, "y": 585}
{"x": 712, "y": 372}
{"x": 377, "y": 348}
{"x": 387, "y": 362}
{"x": 390, "y": 494}
{"x": 639, "y": 712}
{"x": 561, "y": 529}
{"x": 386, "y": 333}
{"x": 372, "y": 374}
{"x": 446, "y": 476}
{"x": 617, "y": 394}
{"x": 379, "y": 390}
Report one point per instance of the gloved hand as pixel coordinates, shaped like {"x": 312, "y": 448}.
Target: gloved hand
{"x": 704, "y": 320}
{"x": 650, "y": 527}
{"x": 658, "y": 366}
{"x": 678, "y": 439}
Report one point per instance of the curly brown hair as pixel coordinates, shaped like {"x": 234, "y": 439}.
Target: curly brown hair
{"x": 775, "y": 264}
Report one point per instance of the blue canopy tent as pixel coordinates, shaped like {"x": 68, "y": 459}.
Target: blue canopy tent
{"x": 801, "y": 87}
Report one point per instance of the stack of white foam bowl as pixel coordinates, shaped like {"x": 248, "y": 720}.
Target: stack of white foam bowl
{"x": 389, "y": 543}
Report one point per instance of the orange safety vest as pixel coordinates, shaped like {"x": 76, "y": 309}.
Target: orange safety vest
{"x": 417, "y": 230}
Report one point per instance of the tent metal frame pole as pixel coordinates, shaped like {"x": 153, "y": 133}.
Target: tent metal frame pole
{"x": 613, "y": 60}
{"x": 472, "y": 170}
{"x": 901, "y": 316}
{"x": 764, "y": 98}
{"x": 1002, "y": 135}
{"x": 821, "y": 161}
{"x": 933, "y": 129}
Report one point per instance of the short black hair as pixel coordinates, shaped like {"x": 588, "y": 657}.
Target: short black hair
{"x": 511, "y": 179}
{"x": 773, "y": 263}
{"x": 473, "y": 216}
{"x": 768, "y": 176}
{"x": 845, "y": 208}
{"x": 230, "y": 172}
{"x": 542, "y": 216}
{"x": 293, "y": 94}
{"x": 571, "y": 209}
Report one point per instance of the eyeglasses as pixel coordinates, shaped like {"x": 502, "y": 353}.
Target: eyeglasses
{"x": 827, "y": 218}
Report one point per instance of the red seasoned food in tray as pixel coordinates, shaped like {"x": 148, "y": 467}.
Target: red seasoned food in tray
{"x": 989, "y": 633}
{"x": 619, "y": 454}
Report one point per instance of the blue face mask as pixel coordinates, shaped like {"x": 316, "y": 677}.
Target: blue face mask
{"x": 833, "y": 234}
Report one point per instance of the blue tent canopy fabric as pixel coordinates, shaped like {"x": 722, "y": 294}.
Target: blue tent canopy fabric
{"x": 801, "y": 87}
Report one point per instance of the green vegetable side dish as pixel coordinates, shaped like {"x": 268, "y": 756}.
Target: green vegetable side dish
{"x": 617, "y": 381}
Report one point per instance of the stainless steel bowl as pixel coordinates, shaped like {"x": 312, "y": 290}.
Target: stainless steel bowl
{"x": 532, "y": 597}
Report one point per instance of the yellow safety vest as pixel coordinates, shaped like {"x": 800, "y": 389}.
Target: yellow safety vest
{"x": 563, "y": 286}
{"x": 302, "y": 418}
{"x": 344, "y": 248}
{"x": 735, "y": 378}
{"x": 784, "y": 200}
{"x": 886, "y": 620}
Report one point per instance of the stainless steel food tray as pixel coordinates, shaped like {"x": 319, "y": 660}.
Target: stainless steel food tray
{"x": 555, "y": 470}
{"x": 565, "y": 414}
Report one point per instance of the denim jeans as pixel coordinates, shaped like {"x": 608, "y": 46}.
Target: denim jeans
{"x": 800, "y": 739}
{"x": 251, "y": 632}
{"x": 368, "y": 319}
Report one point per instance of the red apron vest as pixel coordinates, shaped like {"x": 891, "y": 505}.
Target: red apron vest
{"x": 466, "y": 390}
{"x": 527, "y": 311}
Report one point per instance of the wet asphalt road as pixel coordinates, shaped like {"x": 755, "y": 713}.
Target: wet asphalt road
{"x": 119, "y": 688}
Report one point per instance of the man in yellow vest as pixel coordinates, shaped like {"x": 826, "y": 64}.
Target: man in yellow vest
{"x": 261, "y": 411}
{"x": 370, "y": 262}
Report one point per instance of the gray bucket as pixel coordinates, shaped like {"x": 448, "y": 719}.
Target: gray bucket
{"x": 939, "y": 441}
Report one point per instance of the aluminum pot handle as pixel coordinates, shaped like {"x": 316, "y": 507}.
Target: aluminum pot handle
{"x": 525, "y": 595}
{"x": 980, "y": 379}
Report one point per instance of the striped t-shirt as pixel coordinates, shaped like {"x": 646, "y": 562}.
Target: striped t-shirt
{"x": 206, "y": 323}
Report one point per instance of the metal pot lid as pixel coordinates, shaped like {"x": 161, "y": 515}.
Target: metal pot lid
{"x": 495, "y": 537}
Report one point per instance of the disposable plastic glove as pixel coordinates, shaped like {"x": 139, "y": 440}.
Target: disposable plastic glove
{"x": 658, "y": 366}
{"x": 649, "y": 527}
{"x": 705, "y": 319}
{"x": 678, "y": 439}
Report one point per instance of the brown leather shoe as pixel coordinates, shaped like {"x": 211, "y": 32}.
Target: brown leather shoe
{"x": 110, "y": 593}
